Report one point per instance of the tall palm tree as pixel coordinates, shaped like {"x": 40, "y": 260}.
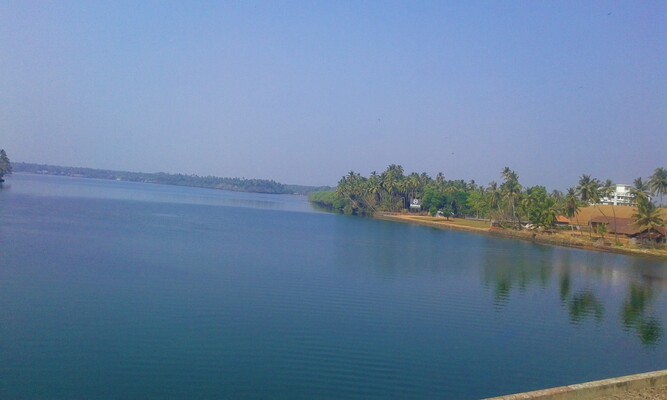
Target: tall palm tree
{"x": 392, "y": 179}
{"x": 511, "y": 190}
{"x": 658, "y": 182}
{"x": 607, "y": 190}
{"x": 648, "y": 215}
{"x": 588, "y": 189}
{"x": 494, "y": 196}
{"x": 571, "y": 206}
{"x": 549, "y": 212}
{"x": 412, "y": 186}
{"x": 375, "y": 186}
{"x": 354, "y": 188}
{"x": 640, "y": 189}
{"x": 589, "y": 192}
{"x": 371, "y": 192}
{"x": 440, "y": 179}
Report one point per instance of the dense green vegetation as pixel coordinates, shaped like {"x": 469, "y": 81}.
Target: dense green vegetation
{"x": 212, "y": 182}
{"x": 5, "y": 165}
{"x": 509, "y": 203}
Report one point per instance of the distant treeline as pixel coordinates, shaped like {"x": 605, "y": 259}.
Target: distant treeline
{"x": 211, "y": 182}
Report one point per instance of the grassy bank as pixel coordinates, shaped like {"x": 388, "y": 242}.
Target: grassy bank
{"x": 576, "y": 239}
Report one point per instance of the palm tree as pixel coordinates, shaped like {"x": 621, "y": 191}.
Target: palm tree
{"x": 658, "y": 182}
{"x": 648, "y": 215}
{"x": 640, "y": 189}
{"x": 392, "y": 181}
{"x": 375, "y": 186}
{"x": 511, "y": 190}
{"x": 354, "y": 188}
{"x": 412, "y": 185}
{"x": 549, "y": 213}
{"x": 589, "y": 192}
{"x": 494, "y": 196}
{"x": 606, "y": 191}
{"x": 571, "y": 206}
{"x": 588, "y": 189}
{"x": 440, "y": 179}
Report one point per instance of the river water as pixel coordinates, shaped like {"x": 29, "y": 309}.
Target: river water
{"x": 116, "y": 290}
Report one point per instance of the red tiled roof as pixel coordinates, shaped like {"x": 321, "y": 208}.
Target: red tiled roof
{"x": 561, "y": 219}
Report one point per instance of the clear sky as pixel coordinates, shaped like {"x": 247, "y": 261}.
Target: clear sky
{"x": 303, "y": 92}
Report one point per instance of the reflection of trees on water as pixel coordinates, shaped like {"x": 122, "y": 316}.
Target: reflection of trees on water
{"x": 565, "y": 284}
{"x": 636, "y": 313}
{"x": 504, "y": 272}
{"x": 584, "y": 304}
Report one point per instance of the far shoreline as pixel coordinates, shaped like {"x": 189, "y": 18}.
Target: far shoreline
{"x": 550, "y": 239}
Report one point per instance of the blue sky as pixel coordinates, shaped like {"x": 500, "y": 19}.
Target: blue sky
{"x": 303, "y": 92}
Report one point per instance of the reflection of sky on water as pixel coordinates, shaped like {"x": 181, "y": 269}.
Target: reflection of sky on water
{"x": 59, "y": 186}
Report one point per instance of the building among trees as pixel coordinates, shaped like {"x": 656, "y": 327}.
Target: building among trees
{"x": 620, "y": 195}
{"x": 630, "y": 228}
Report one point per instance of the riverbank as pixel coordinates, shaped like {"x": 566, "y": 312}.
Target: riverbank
{"x": 574, "y": 239}
{"x": 646, "y": 386}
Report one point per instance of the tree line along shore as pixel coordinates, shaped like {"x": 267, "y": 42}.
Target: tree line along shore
{"x": 576, "y": 217}
{"x": 210, "y": 182}
{"x": 506, "y": 208}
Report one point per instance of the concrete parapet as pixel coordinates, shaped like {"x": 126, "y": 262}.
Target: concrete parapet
{"x": 595, "y": 389}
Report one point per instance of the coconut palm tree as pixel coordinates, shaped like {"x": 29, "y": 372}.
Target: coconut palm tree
{"x": 409, "y": 187}
{"x": 375, "y": 186}
{"x": 440, "y": 179}
{"x": 588, "y": 189}
{"x": 549, "y": 212}
{"x": 606, "y": 191}
{"x": 658, "y": 182}
{"x": 511, "y": 191}
{"x": 494, "y": 196}
{"x": 392, "y": 181}
{"x": 648, "y": 215}
{"x": 640, "y": 189}
{"x": 589, "y": 192}
{"x": 571, "y": 204}
{"x": 353, "y": 187}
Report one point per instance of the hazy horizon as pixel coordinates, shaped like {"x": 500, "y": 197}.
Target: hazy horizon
{"x": 302, "y": 93}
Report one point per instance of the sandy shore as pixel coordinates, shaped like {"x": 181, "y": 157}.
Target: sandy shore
{"x": 561, "y": 238}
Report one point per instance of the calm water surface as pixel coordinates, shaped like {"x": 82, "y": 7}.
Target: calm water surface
{"x": 113, "y": 290}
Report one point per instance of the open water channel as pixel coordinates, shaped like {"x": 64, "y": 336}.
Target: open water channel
{"x": 116, "y": 290}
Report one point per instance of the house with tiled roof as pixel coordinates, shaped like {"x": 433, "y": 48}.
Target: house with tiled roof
{"x": 562, "y": 220}
{"x": 628, "y": 227}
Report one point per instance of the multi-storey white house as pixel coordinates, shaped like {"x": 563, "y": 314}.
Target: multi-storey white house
{"x": 621, "y": 196}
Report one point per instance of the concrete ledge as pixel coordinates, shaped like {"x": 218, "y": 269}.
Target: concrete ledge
{"x": 595, "y": 389}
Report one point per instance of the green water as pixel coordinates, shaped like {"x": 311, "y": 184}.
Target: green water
{"x": 112, "y": 290}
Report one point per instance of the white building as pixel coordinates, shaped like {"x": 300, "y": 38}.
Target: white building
{"x": 620, "y": 197}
